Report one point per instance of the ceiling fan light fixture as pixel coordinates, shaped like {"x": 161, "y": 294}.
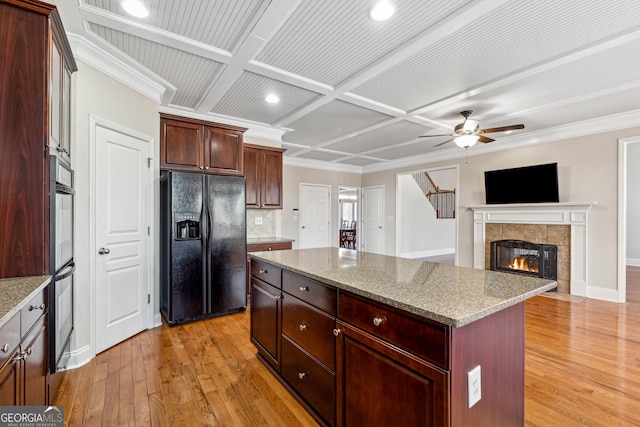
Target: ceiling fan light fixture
{"x": 382, "y": 10}
{"x": 466, "y": 141}
{"x": 470, "y": 125}
{"x": 135, "y": 8}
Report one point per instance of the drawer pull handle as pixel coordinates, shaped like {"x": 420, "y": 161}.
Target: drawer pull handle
{"x": 263, "y": 271}
{"x": 303, "y": 326}
{"x": 377, "y": 321}
{"x": 36, "y": 307}
{"x": 336, "y": 332}
{"x": 276, "y": 297}
{"x": 303, "y": 375}
{"x": 5, "y": 348}
{"x": 304, "y": 289}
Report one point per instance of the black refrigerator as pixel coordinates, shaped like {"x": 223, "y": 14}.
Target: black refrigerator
{"x": 203, "y": 257}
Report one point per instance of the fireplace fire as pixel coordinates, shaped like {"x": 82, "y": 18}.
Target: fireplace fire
{"x": 517, "y": 256}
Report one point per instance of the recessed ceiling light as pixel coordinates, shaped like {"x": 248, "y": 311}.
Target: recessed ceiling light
{"x": 382, "y": 10}
{"x": 135, "y": 8}
{"x": 272, "y": 98}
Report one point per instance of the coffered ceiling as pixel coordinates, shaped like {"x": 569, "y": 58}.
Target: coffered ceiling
{"x": 356, "y": 93}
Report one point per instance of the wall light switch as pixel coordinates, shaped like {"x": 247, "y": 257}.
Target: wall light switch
{"x": 258, "y": 220}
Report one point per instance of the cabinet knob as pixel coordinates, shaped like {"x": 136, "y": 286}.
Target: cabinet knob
{"x": 304, "y": 289}
{"x": 303, "y": 326}
{"x": 36, "y": 307}
{"x": 202, "y": 167}
{"x": 378, "y": 320}
{"x": 206, "y": 168}
{"x": 104, "y": 251}
{"x": 5, "y": 348}
{"x": 303, "y": 375}
{"x": 276, "y": 297}
{"x": 269, "y": 248}
{"x": 263, "y": 271}
{"x": 337, "y": 332}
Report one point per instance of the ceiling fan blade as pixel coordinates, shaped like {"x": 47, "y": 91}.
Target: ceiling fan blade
{"x": 484, "y": 139}
{"x": 429, "y": 136}
{"x": 442, "y": 143}
{"x": 501, "y": 129}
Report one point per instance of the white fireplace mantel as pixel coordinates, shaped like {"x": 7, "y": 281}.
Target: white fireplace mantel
{"x": 574, "y": 214}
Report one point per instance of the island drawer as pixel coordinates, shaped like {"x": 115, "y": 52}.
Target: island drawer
{"x": 259, "y": 247}
{"x": 9, "y": 338}
{"x": 267, "y": 273}
{"x": 310, "y": 328}
{"x": 427, "y": 340}
{"x": 315, "y": 383}
{"x": 315, "y": 293}
{"x": 32, "y": 311}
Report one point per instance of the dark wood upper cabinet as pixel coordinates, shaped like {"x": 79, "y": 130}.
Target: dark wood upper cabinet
{"x": 32, "y": 44}
{"x": 200, "y": 146}
{"x": 263, "y": 173}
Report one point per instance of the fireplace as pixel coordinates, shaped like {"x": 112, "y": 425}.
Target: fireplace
{"x": 531, "y": 259}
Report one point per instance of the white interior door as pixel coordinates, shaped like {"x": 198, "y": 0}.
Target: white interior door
{"x": 372, "y": 219}
{"x": 122, "y": 186}
{"x": 315, "y": 209}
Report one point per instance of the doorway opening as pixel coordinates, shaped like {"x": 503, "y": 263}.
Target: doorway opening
{"x": 348, "y": 214}
{"x": 424, "y": 229}
{"x": 629, "y": 223}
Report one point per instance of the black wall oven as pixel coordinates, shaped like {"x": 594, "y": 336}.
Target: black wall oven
{"x": 62, "y": 264}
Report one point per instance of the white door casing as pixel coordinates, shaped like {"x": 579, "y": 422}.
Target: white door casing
{"x": 373, "y": 219}
{"x": 122, "y": 191}
{"x": 315, "y": 214}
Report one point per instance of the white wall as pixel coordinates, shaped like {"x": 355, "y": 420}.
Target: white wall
{"x": 292, "y": 177}
{"x": 587, "y": 168}
{"x": 421, "y": 233}
{"x": 633, "y": 204}
{"x": 99, "y": 95}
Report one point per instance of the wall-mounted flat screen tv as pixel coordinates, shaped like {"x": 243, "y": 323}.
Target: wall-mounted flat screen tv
{"x": 530, "y": 184}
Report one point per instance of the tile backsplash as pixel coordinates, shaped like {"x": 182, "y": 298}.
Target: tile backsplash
{"x": 268, "y": 226}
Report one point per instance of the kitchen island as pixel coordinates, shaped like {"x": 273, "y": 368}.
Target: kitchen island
{"x": 368, "y": 339}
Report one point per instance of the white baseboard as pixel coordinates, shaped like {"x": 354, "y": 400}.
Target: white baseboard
{"x": 157, "y": 320}
{"x": 80, "y": 357}
{"x": 425, "y": 254}
{"x": 634, "y": 262}
{"x": 605, "y": 294}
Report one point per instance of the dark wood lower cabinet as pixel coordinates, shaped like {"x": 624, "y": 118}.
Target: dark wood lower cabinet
{"x": 23, "y": 367}
{"x": 265, "y": 320}
{"x": 381, "y": 385}
{"x": 35, "y": 365}
{"x": 10, "y": 383}
{"x": 391, "y": 367}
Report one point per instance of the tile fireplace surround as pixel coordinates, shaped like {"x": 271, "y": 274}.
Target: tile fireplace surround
{"x": 562, "y": 224}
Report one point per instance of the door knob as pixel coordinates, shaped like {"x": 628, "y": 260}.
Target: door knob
{"x": 103, "y": 251}
{"x": 303, "y": 227}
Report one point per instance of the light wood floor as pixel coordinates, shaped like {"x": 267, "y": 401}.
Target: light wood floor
{"x": 582, "y": 369}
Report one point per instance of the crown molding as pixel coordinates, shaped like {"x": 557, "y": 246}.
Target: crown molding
{"x": 111, "y": 64}
{"x": 254, "y": 129}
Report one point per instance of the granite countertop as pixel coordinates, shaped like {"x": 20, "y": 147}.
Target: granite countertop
{"x": 454, "y": 296}
{"x": 15, "y": 293}
{"x": 263, "y": 240}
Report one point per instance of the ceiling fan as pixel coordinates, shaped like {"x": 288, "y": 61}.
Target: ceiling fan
{"x": 468, "y": 132}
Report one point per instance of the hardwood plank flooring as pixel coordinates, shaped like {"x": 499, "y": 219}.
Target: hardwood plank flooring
{"x": 582, "y": 368}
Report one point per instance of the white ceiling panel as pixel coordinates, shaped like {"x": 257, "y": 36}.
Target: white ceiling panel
{"x": 355, "y": 92}
{"x": 516, "y": 36}
{"x": 396, "y": 133}
{"x": 246, "y": 99}
{"x": 330, "y": 41}
{"x": 344, "y": 118}
{"x": 220, "y": 23}
{"x": 191, "y": 74}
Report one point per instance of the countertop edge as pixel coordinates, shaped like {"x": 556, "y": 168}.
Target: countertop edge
{"x": 17, "y": 306}
{"x": 456, "y": 323}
